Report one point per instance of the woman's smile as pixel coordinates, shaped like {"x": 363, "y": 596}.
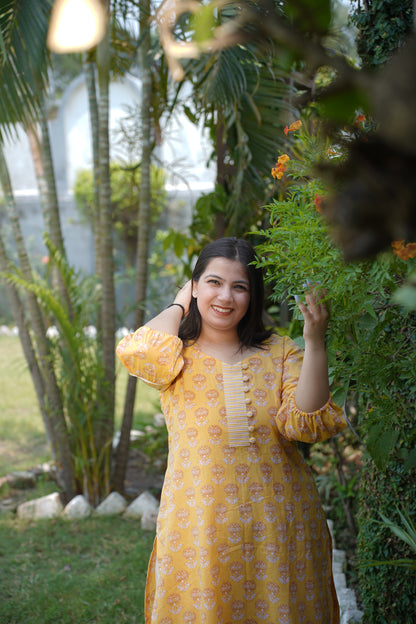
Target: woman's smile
{"x": 221, "y": 310}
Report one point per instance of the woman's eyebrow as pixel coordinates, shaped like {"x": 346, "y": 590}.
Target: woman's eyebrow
{"x": 222, "y": 279}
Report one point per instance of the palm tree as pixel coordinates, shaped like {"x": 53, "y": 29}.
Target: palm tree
{"x": 44, "y": 377}
{"x": 143, "y": 220}
{"x": 244, "y": 97}
{"x": 105, "y": 233}
{"x": 23, "y": 61}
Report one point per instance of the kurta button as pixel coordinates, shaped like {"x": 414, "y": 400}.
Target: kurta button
{"x": 246, "y": 389}
{"x": 251, "y": 428}
{"x": 252, "y": 440}
{"x": 245, "y": 366}
{"x": 246, "y": 378}
{"x": 250, "y": 414}
{"x": 247, "y": 400}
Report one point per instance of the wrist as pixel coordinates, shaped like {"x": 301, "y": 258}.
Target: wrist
{"x": 315, "y": 346}
{"x": 177, "y": 305}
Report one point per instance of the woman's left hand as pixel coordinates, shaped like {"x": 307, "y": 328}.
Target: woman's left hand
{"x": 315, "y": 314}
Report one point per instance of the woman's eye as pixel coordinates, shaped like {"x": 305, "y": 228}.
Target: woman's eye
{"x": 241, "y": 287}
{"x": 212, "y": 281}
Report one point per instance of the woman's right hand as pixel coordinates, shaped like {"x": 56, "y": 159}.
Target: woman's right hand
{"x": 184, "y": 296}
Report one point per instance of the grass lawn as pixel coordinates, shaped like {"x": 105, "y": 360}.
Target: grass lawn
{"x": 57, "y": 572}
{"x": 22, "y": 435}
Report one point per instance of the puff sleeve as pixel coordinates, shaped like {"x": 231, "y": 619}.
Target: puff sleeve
{"x": 153, "y": 356}
{"x": 294, "y": 424}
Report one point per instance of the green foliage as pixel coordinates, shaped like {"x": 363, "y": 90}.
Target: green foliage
{"x": 241, "y": 94}
{"x": 388, "y": 592}
{"x": 371, "y": 344}
{"x": 23, "y": 61}
{"x": 187, "y": 245}
{"x": 125, "y": 199}
{"x": 382, "y": 27}
{"x": 78, "y": 366}
{"x": 336, "y": 464}
{"x": 405, "y": 530}
{"x": 370, "y": 341}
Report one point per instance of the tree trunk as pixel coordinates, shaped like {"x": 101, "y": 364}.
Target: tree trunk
{"x": 89, "y": 71}
{"x": 142, "y": 253}
{"x": 105, "y": 427}
{"x": 45, "y": 175}
{"x": 52, "y": 217}
{"x": 220, "y": 149}
{"x": 58, "y": 429}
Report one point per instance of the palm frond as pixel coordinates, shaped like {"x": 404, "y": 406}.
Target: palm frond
{"x": 23, "y": 61}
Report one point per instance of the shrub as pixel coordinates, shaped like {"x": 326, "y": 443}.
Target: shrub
{"x": 371, "y": 344}
{"x": 388, "y": 592}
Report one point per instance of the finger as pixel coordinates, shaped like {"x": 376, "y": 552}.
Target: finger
{"x": 305, "y": 312}
{"x": 316, "y": 303}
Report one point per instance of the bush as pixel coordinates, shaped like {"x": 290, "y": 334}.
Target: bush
{"x": 371, "y": 344}
{"x": 388, "y": 592}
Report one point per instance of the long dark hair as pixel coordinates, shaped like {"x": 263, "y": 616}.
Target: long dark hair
{"x": 251, "y": 330}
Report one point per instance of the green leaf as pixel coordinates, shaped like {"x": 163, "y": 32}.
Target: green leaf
{"x": 380, "y": 443}
{"x": 339, "y": 395}
{"x": 370, "y": 309}
{"x": 410, "y": 460}
{"x": 368, "y": 321}
{"x": 178, "y": 246}
{"x": 406, "y": 534}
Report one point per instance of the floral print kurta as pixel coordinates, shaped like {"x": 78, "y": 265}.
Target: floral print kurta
{"x": 241, "y": 536}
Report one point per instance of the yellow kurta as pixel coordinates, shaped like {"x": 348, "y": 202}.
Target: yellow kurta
{"x": 241, "y": 535}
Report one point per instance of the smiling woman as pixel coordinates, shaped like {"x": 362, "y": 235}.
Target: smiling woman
{"x": 241, "y": 535}
{"x": 239, "y": 280}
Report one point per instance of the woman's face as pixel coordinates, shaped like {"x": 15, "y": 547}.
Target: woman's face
{"x": 223, "y": 294}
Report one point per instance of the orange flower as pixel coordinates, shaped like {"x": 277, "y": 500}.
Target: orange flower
{"x": 294, "y": 126}
{"x": 404, "y": 251}
{"x": 280, "y": 167}
{"x": 45, "y": 259}
{"x": 278, "y": 171}
{"x": 359, "y": 120}
{"x": 318, "y": 202}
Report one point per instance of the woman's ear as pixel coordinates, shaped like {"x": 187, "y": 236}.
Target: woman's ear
{"x": 194, "y": 289}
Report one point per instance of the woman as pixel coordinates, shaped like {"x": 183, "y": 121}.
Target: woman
{"x": 241, "y": 535}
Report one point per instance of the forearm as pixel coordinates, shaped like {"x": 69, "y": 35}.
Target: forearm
{"x": 312, "y": 391}
{"x": 167, "y": 321}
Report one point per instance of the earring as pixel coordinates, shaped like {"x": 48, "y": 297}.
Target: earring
{"x": 194, "y": 294}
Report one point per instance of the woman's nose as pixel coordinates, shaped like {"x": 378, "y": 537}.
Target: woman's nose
{"x": 225, "y": 293}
